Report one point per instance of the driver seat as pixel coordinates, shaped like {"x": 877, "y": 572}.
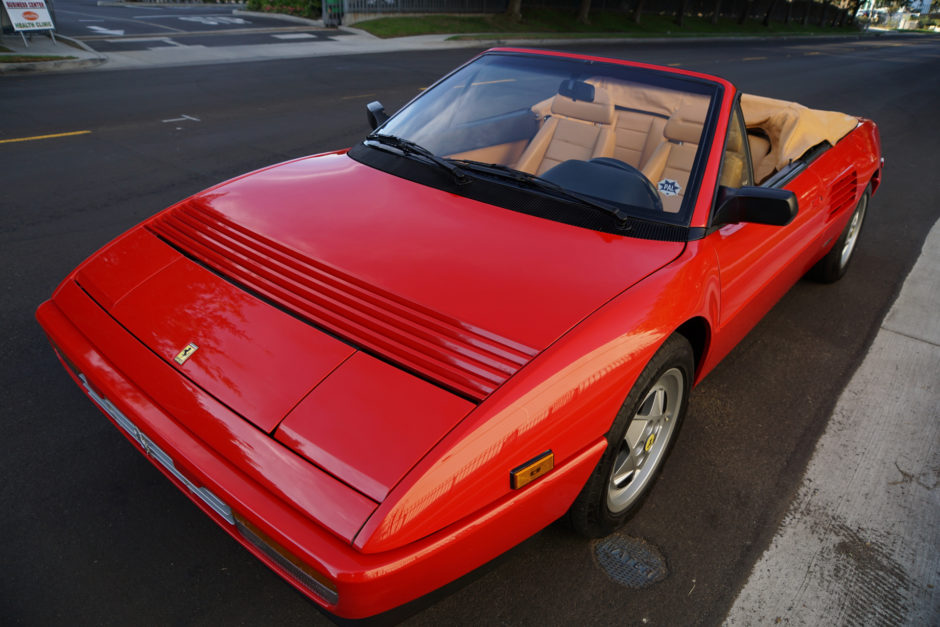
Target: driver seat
{"x": 580, "y": 127}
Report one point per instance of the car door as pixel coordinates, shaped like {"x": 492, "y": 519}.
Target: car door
{"x": 758, "y": 263}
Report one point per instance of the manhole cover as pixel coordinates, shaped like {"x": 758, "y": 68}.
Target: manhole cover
{"x": 630, "y": 562}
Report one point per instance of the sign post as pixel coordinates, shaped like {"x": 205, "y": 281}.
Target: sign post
{"x": 29, "y": 16}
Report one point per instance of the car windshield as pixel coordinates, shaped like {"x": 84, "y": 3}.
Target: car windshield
{"x": 619, "y": 138}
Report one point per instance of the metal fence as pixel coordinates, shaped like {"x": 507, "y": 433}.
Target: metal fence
{"x": 811, "y": 11}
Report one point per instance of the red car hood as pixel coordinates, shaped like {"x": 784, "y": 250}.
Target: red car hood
{"x": 458, "y": 291}
{"x": 316, "y": 290}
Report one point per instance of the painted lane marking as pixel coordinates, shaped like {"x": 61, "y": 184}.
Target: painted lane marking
{"x": 754, "y": 59}
{"x": 144, "y": 40}
{"x": 101, "y": 30}
{"x": 119, "y": 19}
{"x": 38, "y": 137}
{"x": 213, "y": 20}
{"x": 295, "y": 36}
{"x": 183, "y": 118}
{"x": 356, "y": 97}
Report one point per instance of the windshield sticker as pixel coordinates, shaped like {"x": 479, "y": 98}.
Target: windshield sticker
{"x": 668, "y": 187}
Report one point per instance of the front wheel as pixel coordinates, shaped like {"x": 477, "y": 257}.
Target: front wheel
{"x": 832, "y": 267}
{"x": 638, "y": 442}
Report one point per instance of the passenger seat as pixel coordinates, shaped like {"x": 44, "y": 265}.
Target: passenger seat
{"x": 671, "y": 163}
{"x": 760, "y": 148}
{"x": 580, "y": 127}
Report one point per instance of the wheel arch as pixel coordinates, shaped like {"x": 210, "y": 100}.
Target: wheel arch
{"x": 698, "y": 332}
{"x": 875, "y": 181}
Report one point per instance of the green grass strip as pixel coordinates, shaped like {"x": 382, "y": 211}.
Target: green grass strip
{"x": 538, "y": 23}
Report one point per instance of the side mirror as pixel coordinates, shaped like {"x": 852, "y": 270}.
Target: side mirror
{"x": 376, "y": 113}
{"x": 760, "y": 205}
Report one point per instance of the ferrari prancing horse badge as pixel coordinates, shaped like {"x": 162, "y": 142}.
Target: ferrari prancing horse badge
{"x": 185, "y": 354}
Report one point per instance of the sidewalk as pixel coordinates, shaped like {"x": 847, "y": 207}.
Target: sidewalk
{"x": 347, "y": 40}
{"x": 42, "y": 45}
{"x": 861, "y": 542}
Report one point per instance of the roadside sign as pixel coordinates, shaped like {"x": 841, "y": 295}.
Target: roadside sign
{"x": 28, "y": 15}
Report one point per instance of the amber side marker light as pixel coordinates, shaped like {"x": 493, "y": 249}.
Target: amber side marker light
{"x": 316, "y": 582}
{"x": 531, "y": 470}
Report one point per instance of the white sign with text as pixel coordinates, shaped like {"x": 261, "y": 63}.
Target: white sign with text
{"x": 28, "y": 15}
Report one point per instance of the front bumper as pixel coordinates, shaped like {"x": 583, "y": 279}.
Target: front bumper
{"x": 293, "y": 517}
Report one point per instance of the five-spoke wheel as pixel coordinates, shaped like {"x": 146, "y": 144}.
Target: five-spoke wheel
{"x": 638, "y": 441}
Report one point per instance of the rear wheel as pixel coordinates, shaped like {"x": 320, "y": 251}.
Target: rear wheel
{"x": 638, "y": 442}
{"x": 832, "y": 267}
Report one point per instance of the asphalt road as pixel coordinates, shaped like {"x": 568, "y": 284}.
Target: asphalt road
{"x": 140, "y": 26}
{"x": 93, "y": 534}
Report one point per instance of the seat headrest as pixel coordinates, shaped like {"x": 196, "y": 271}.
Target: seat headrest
{"x": 686, "y": 123}
{"x": 570, "y": 103}
{"x": 760, "y": 146}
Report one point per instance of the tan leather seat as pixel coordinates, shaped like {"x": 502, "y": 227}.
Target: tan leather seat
{"x": 670, "y": 164}
{"x": 636, "y": 136}
{"x": 760, "y": 148}
{"x": 576, "y": 129}
{"x": 641, "y": 113}
{"x": 734, "y": 161}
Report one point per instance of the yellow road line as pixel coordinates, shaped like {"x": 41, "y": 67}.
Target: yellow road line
{"x": 37, "y": 137}
{"x": 357, "y": 96}
{"x": 674, "y": 64}
{"x": 754, "y": 58}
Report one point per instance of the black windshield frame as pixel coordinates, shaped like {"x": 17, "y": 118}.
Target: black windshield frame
{"x": 672, "y": 223}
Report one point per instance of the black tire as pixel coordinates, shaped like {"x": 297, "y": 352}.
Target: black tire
{"x": 637, "y": 454}
{"x": 832, "y": 267}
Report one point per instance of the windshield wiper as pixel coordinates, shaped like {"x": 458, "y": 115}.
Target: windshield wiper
{"x": 503, "y": 171}
{"x": 408, "y": 147}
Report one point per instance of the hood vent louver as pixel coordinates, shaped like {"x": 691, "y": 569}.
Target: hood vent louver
{"x": 842, "y": 193}
{"x": 464, "y": 359}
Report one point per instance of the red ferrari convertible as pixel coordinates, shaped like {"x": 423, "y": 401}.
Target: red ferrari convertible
{"x": 381, "y": 367}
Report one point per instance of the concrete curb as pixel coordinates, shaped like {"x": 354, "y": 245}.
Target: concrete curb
{"x": 81, "y": 45}
{"x": 280, "y": 16}
{"x": 354, "y": 41}
{"x": 58, "y": 66}
{"x": 50, "y": 66}
{"x": 502, "y": 41}
{"x": 362, "y": 33}
{"x": 859, "y": 544}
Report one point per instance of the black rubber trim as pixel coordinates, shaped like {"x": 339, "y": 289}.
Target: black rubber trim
{"x": 516, "y": 197}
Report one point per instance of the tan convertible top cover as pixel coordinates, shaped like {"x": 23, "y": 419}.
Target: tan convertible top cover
{"x": 792, "y": 128}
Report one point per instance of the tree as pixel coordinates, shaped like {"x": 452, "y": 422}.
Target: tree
{"x": 583, "y": 11}
{"x": 770, "y": 10}
{"x": 680, "y": 12}
{"x": 637, "y": 11}
{"x": 716, "y": 12}
{"x": 854, "y": 11}
{"x": 514, "y": 10}
{"x": 825, "y": 11}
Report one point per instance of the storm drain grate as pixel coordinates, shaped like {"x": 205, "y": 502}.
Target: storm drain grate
{"x": 630, "y": 562}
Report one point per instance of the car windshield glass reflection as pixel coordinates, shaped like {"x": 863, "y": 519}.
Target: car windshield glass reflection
{"x": 622, "y": 137}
